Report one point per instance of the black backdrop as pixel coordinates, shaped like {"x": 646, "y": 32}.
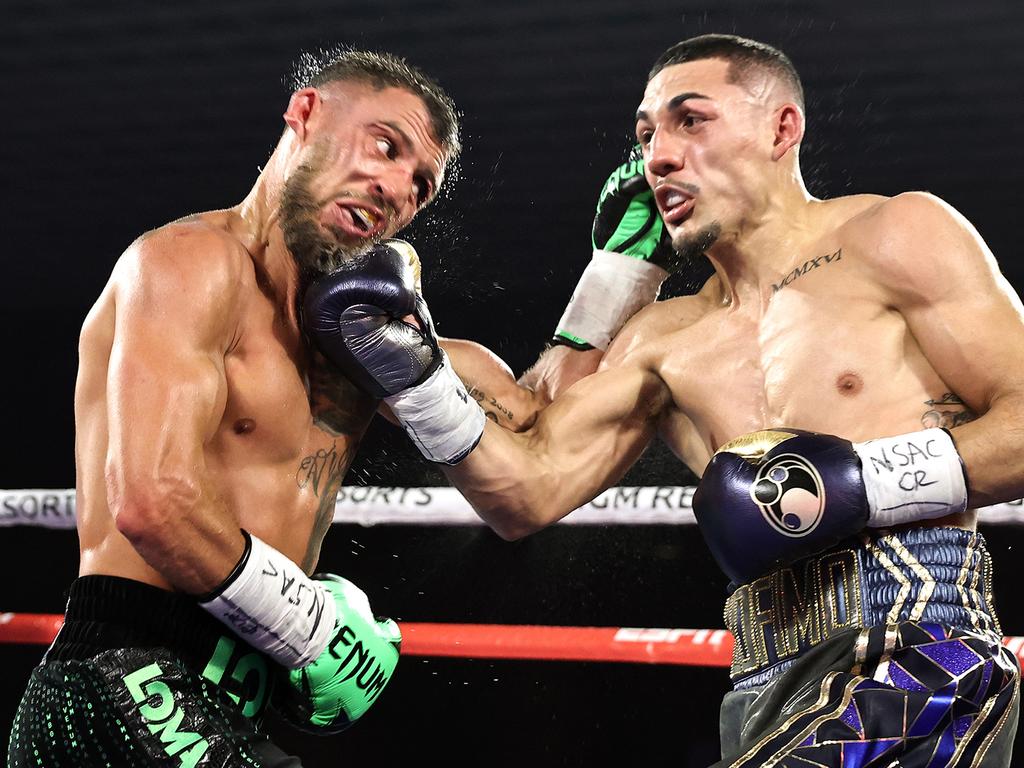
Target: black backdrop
{"x": 122, "y": 117}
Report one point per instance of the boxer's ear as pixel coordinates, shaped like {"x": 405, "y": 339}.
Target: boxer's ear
{"x": 788, "y": 124}
{"x": 301, "y": 107}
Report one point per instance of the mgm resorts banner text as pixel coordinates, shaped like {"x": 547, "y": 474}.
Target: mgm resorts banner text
{"x": 376, "y": 505}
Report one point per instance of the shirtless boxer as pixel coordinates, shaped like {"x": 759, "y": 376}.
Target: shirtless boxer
{"x": 211, "y": 445}
{"x": 862, "y": 610}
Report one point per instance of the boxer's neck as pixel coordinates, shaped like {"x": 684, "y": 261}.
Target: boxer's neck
{"x": 750, "y": 257}
{"x": 259, "y": 215}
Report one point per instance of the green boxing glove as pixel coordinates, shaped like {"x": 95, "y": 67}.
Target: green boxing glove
{"x": 336, "y": 689}
{"x": 627, "y": 219}
{"x": 632, "y": 257}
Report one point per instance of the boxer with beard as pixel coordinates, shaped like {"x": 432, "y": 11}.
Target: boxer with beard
{"x": 211, "y": 443}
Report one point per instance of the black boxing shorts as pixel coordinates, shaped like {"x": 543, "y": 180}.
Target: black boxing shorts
{"x": 138, "y": 676}
{"x": 887, "y": 652}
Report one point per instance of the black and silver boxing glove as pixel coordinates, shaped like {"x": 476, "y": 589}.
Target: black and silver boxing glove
{"x": 357, "y": 318}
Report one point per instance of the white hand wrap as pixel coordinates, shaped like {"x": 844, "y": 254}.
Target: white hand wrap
{"x": 440, "y": 416}
{"x": 274, "y": 606}
{"x": 611, "y": 290}
{"x": 911, "y": 477}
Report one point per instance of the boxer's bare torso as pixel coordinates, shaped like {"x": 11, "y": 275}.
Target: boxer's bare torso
{"x": 875, "y": 317}
{"x": 276, "y": 438}
{"x": 820, "y": 347}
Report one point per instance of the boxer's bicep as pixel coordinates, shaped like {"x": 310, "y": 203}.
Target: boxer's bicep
{"x": 969, "y": 324}
{"x": 557, "y": 368}
{"x": 166, "y": 394}
{"x": 580, "y": 445}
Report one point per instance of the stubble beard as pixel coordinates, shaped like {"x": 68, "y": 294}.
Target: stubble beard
{"x": 693, "y": 247}
{"x": 314, "y": 252}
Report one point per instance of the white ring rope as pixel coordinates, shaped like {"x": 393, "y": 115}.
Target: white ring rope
{"x": 377, "y": 505}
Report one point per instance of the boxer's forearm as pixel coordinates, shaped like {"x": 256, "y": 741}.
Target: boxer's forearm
{"x": 507, "y": 484}
{"x": 184, "y": 536}
{"x": 489, "y": 381}
{"x": 992, "y": 449}
{"x": 579, "y": 446}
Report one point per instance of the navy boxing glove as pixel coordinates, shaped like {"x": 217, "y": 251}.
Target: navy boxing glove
{"x": 772, "y": 497}
{"x": 356, "y": 317}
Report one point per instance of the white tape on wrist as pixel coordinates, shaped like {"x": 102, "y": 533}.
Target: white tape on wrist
{"x": 912, "y": 477}
{"x": 275, "y": 607}
{"x": 442, "y": 419}
{"x": 612, "y": 289}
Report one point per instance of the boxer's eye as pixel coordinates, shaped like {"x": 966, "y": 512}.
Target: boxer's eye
{"x": 422, "y": 189}
{"x": 387, "y": 147}
{"x": 691, "y": 120}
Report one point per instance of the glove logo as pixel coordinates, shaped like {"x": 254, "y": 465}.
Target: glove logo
{"x": 790, "y": 494}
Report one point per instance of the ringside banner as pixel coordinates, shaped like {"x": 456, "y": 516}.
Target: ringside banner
{"x": 378, "y": 505}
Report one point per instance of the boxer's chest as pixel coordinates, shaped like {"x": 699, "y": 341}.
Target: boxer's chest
{"x": 274, "y": 464}
{"x": 820, "y": 354}
{"x": 268, "y": 416}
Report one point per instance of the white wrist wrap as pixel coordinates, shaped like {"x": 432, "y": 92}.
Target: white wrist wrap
{"x": 611, "y": 290}
{"x": 440, "y": 416}
{"x": 275, "y": 607}
{"x": 912, "y": 477}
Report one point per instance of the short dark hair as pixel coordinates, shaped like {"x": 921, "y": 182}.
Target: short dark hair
{"x": 382, "y": 70}
{"x": 744, "y": 56}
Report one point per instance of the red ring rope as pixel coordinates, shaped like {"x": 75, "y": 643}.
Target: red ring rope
{"x": 694, "y": 647}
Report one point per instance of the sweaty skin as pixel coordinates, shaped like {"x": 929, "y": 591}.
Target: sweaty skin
{"x": 861, "y": 316}
{"x": 199, "y": 408}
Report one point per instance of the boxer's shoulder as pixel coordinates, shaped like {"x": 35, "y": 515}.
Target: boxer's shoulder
{"x": 647, "y": 330}
{"x": 910, "y": 240}
{"x": 882, "y": 223}
{"x": 207, "y": 238}
{"x": 196, "y": 257}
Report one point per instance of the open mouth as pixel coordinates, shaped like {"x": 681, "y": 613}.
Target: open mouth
{"x": 364, "y": 218}
{"x": 675, "y": 204}
{"x": 360, "y": 221}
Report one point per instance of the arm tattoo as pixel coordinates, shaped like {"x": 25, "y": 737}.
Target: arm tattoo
{"x": 322, "y": 473}
{"x": 493, "y": 410}
{"x": 948, "y": 411}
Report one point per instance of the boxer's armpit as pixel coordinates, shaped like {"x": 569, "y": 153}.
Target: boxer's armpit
{"x": 947, "y": 411}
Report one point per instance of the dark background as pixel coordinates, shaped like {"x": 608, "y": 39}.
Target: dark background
{"x": 122, "y": 117}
